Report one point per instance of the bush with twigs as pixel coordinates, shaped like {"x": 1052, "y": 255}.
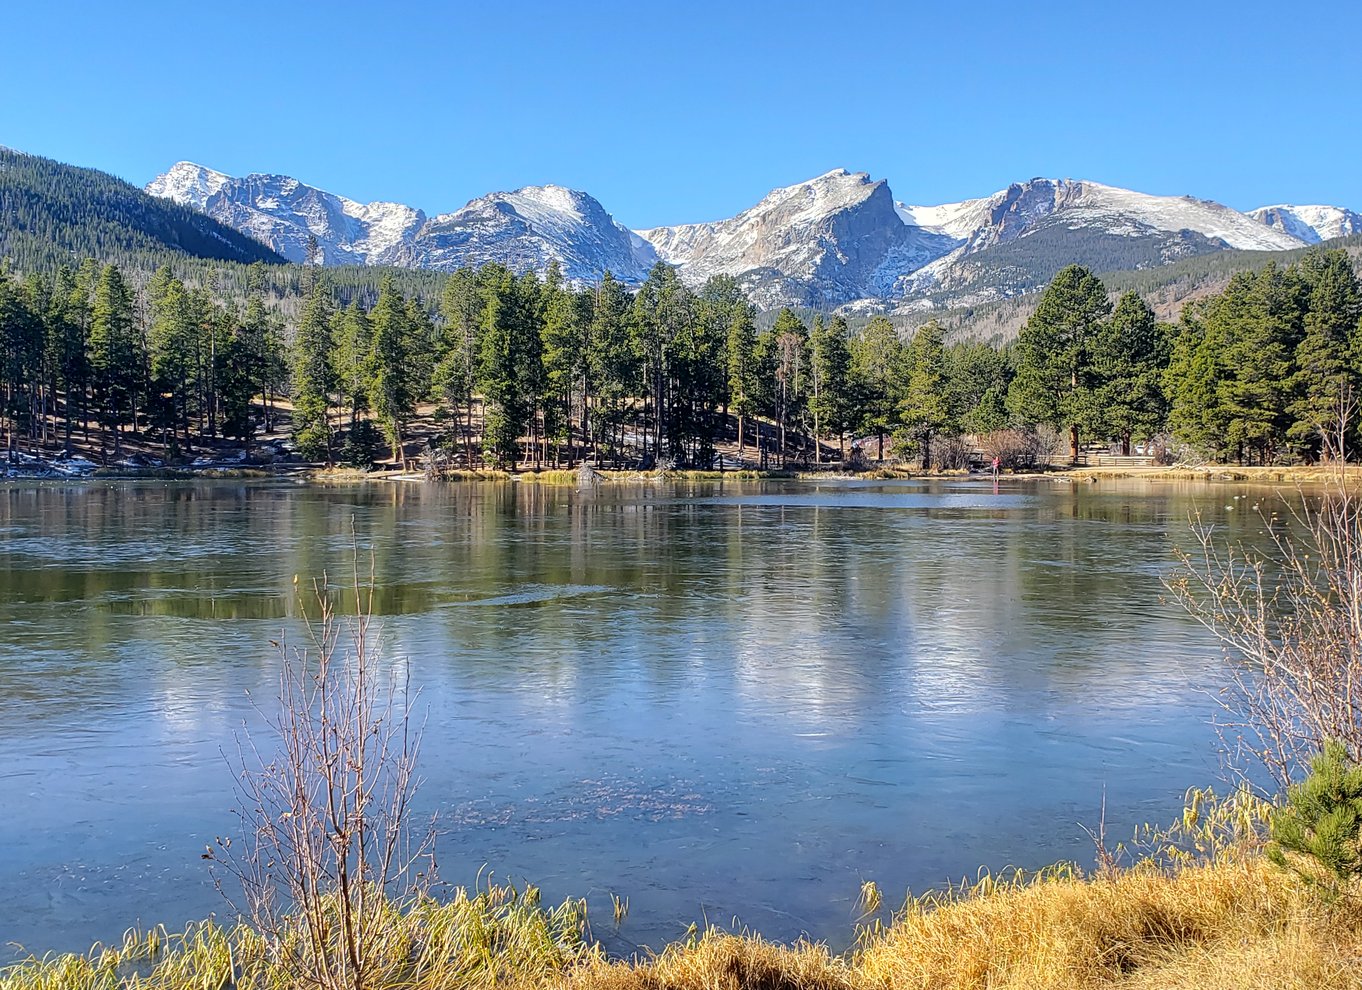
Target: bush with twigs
{"x": 328, "y": 849}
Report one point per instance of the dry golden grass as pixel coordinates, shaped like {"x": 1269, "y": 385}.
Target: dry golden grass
{"x": 1225, "y": 925}
{"x": 495, "y": 937}
{"x": 340, "y": 472}
{"x": 1237, "y": 923}
{"x": 720, "y": 961}
{"x": 1302, "y": 474}
{"x": 549, "y": 477}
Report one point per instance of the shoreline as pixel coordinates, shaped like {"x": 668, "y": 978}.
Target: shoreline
{"x": 1212, "y": 473}
{"x": 1228, "y": 918}
{"x": 311, "y": 472}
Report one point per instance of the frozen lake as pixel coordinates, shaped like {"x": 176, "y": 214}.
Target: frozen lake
{"x": 720, "y": 702}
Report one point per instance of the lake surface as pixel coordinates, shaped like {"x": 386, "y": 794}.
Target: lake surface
{"x": 721, "y": 702}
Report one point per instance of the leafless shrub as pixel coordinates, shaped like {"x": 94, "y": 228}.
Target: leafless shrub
{"x": 1108, "y": 857}
{"x": 1163, "y": 449}
{"x": 1021, "y": 448}
{"x": 1290, "y": 623}
{"x": 950, "y": 453}
{"x": 328, "y": 850}
{"x": 1008, "y": 446}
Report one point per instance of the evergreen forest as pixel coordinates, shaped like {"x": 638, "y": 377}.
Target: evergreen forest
{"x": 492, "y": 368}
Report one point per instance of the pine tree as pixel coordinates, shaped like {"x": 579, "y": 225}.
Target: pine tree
{"x": 564, "y": 340}
{"x": 662, "y": 309}
{"x": 1129, "y": 357}
{"x": 212, "y": 327}
{"x": 1259, "y": 319}
{"x": 115, "y": 358}
{"x": 1328, "y": 372}
{"x": 789, "y": 345}
{"x": 390, "y": 386}
{"x": 421, "y": 344}
{"x": 313, "y": 380}
{"x": 740, "y": 352}
{"x": 1054, "y": 381}
{"x": 172, "y": 340}
{"x": 925, "y": 410}
{"x": 76, "y": 368}
{"x": 879, "y": 369}
{"x": 244, "y": 369}
{"x": 833, "y": 400}
{"x": 575, "y": 315}
{"x": 37, "y": 386}
{"x": 462, "y": 302}
{"x": 531, "y": 382}
{"x": 613, "y": 364}
{"x": 699, "y": 375}
{"x": 64, "y": 342}
{"x": 1320, "y": 826}
{"x": 976, "y": 387}
{"x": 1192, "y": 383}
{"x": 509, "y": 363}
{"x": 352, "y": 367}
{"x": 20, "y": 346}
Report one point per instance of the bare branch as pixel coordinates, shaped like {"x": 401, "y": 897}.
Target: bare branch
{"x": 327, "y": 849}
{"x": 1289, "y": 621}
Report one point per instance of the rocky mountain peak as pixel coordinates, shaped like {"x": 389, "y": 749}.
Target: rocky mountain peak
{"x": 830, "y": 240}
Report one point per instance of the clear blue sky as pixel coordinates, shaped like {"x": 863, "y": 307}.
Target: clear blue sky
{"x": 681, "y": 111}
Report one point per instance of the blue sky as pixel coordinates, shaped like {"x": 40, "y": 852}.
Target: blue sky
{"x": 680, "y": 111}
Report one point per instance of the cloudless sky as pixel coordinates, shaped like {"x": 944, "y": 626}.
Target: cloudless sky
{"x": 672, "y": 112}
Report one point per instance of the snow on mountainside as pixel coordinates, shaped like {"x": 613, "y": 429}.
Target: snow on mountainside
{"x": 531, "y": 227}
{"x": 188, "y": 184}
{"x": 807, "y": 243}
{"x": 768, "y": 234}
{"x": 525, "y": 230}
{"x": 1018, "y": 209}
{"x": 1311, "y": 224}
{"x": 286, "y": 214}
{"x": 828, "y": 240}
{"x": 1010, "y": 242}
{"x": 834, "y": 240}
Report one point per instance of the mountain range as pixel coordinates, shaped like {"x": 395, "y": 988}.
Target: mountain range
{"x": 524, "y": 230}
{"x": 838, "y": 240}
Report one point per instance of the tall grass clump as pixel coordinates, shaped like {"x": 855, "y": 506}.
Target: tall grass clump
{"x": 495, "y": 936}
{"x": 1224, "y": 925}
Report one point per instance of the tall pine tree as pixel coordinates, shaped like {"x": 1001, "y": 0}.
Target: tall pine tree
{"x": 313, "y": 379}
{"x": 1054, "y": 381}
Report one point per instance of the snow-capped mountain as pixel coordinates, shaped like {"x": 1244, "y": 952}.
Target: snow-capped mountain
{"x": 524, "y": 230}
{"x": 828, "y": 240}
{"x": 1018, "y": 209}
{"x": 188, "y": 184}
{"x": 286, "y": 214}
{"x": 1014, "y": 241}
{"x": 531, "y": 227}
{"x": 840, "y": 237}
{"x": 1311, "y": 224}
{"x": 836, "y": 239}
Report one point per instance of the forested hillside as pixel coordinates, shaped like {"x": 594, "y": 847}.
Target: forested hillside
{"x": 53, "y": 214}
{"x": 1167, "y": 288}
